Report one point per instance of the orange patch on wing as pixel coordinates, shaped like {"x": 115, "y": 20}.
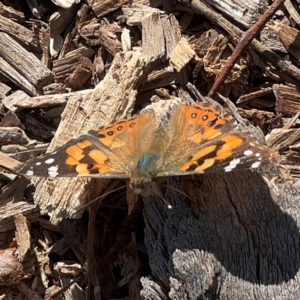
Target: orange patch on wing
{"x": 84, "y": 144}
{"x": 75, "y": 152}
{"x": 71, "y": 161}
{"x": 203, "y": 152}
{"x": 98, "y": 156}
{"x": 82, "y": 169}
{"x": 103, "y": 169}
{"x": 118, "y": 144}
{"x": 211, "y": 133}
{"x": 207, "y": 163}
{"x": 196, "y": 138}
{"x": 231, "y": 142}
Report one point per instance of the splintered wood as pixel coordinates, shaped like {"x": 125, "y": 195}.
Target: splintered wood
{"x": 93, "y": 63}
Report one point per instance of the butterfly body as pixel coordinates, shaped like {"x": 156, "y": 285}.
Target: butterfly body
{"x": 196, "y": 139}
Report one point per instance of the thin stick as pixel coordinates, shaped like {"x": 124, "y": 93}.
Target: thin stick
{"x": 244, "y": 42}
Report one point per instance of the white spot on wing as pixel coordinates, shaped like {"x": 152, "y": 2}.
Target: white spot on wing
{"x": 30, "y": 173}
{"x": 257, "y": 154}
{"x": 52, "y": 171}
{"x": 256, "y": 164}
{"x": 248, "y": 152}
{"x": 38, "y": 163}
{"x": 232, "y": 165}
{"x": 49, "y": 161}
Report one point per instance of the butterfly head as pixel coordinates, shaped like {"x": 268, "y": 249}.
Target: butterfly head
{"x": 141, "y": 186}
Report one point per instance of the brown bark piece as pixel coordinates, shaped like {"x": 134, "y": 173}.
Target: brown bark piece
{"x": 19, "y": 100}
{"x": 167, "y": 34}
{"x": 10, "y": 73}
{"x": 73, "y": 70}
{"x": 172, "y": 33}
{"x": 271, "y": 39}
{"x": 135, "y": 14}
{"x": 22, "y": 236}
{"x": 102, "y": 34}
{"x": 12, "y": 135}
{"x": 9, "y": 210}
{"x": 21, "y": 33}
{"x": 4, "y": 89}
{"x": 158, "y": 78}
{"x": 289, "y": 36}
{"x": 153, "y": 38}
{"x": 24, "y": 62}
{"x": 182, "y": 55}
{"x": 11, "y": 13}
{"x": 104, "y": 7}
{"x": 281, "y": 139}
{"x": 7, "y": 162}
{"x": 292, "y": 11}
{"x": 255, "y": 113}
{"x": 10, "y": 119}
{"x": 60, "y": 20}
{"x": 28, "y": 292}
{"x": 287, "y": 99}
{"x": 262, "y": 90}
{"x": 251, "y": 10}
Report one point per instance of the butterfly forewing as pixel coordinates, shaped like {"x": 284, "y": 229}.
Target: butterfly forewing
{"x": 207, "y": 141}
{"x": 108, "y": 152}
{"x": 84, "y": 156}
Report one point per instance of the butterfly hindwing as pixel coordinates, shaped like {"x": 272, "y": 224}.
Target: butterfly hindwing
{"x": 233, "y": 151}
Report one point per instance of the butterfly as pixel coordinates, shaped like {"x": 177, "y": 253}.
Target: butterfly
{"x": 197, "y": 138}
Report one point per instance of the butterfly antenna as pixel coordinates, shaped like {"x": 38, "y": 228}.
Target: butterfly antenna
{"x": 158, "y": 193}
{"x": 177, "y": 190}
{"x": 102, "y": 196}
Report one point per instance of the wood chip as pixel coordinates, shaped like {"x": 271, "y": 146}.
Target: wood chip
{"x": 289, "y": 37}
{"x": 21, "y": 33}
{"x": 182, "y": 55}
{"x": 287, "y": 99}
{"x": 60, "y": 20}
{"x": 24, "y": 62}
{"x": 22, "y": 236}
{"x": 280, "y": 139}
{"x": 102, "y": 8}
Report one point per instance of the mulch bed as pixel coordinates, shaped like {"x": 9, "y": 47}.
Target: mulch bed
{"x": 69, "y": 67}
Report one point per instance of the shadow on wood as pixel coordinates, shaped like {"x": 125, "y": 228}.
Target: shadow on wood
{"x": 232, "y": 235}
